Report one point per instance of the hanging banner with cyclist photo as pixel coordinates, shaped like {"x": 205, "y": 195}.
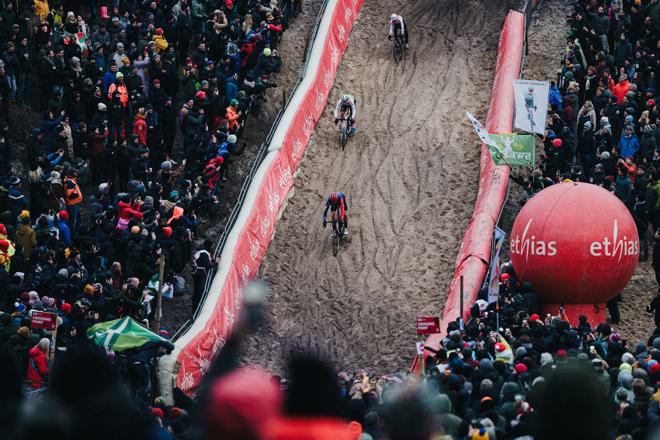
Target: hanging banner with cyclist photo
{"x": 494, "y": 270}
{"x": 531, "y": 105}
{"x": 512, "y": 149}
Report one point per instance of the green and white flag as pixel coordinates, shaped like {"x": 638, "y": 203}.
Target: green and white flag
{"x": 122, "y": 334}
{"x": 512, "y": 149}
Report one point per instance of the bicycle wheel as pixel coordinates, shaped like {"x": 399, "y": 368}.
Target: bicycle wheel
{"x": 335, "y": 241}
{"x": 398, "y": 51}
{"x": 343, "y": 135}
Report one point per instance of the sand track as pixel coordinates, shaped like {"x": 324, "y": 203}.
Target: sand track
{"x": 411, "y": 176}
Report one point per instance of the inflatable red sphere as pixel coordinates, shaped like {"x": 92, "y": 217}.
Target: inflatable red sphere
{"x": 576, "y": 243}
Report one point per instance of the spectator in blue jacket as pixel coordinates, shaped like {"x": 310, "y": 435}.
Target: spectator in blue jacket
{"x": 554, "y": 97}
{"x": 629, "y": 144}
{"x": 63, "y": 227}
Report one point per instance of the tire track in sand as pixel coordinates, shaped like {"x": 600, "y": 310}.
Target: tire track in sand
{"x": 411, "y": 172}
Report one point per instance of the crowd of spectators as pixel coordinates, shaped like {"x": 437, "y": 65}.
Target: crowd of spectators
{"x": 604, "y": 121}
{"x": 142, "y": 105}
{"x": 506, "y": 373}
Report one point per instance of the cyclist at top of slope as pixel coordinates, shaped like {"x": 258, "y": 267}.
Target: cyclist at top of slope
{"x": 397, "y": 24}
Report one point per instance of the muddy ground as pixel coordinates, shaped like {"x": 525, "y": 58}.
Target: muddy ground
{"x": 410, "y": 174}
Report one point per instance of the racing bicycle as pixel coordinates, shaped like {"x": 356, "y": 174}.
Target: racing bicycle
{"x": 344, "y": 131}
{"x": 397, "y": 49}
{"x": 338, "y": 228}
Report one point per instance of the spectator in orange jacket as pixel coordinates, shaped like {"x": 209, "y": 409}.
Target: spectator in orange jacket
{"x": 120, "y": 87}
{"x": 233, "y": 116}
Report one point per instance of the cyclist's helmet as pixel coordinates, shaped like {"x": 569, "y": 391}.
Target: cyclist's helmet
{"x": 393, "y": 17}
{"x": 531, "y": 89}
{"x": 345, "y": 98}
{"x": 334, "y": 197}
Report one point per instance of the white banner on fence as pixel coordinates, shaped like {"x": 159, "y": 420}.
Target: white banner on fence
{"x": 494, "y": 278}
{"x": 531, "y": 105}
{"x": 481, "y": 130}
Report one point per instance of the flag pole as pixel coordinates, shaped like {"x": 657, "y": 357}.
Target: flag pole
{"x": 159, "y": 298}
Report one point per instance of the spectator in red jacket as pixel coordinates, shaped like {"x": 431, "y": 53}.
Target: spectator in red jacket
{"x": 621, "y": 88}
{"x": 140, "y": 126}
{"x": 127, "y": 212}
{"x": 38, "y": 367}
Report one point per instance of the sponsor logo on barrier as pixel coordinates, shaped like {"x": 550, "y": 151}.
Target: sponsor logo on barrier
{"x": 218, "y": 341}
{"x": 265, "y": 225}
{"x": 255, "y": 245}
{"x": 285, "y": 176}
{"x": 327, "y": 78}
{"x": 341, "y": 32}
{"x": 308, "y": 125}
{"x": 200, "y": 359}
{"x": 238, "y": 297}
{"x": 348, "y": 13}
{"x": 296, "y": 153}
{"x": 617, "y": 247}
{"x": 334, "y": 54}
{"x": 531, "y": 246}
{"x": 230, "y": 317}
{"x": 320, "y": 100}
{"x": 273, "y": 201}
{"x": 245, "y": 273}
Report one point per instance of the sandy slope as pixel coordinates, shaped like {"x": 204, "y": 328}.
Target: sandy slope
{"x": 411, "y": 174}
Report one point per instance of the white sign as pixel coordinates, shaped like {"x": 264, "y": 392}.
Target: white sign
{"x": 531, "y": 105}
{"x": 420, "y": 348}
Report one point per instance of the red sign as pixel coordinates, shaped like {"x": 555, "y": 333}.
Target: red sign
{"x": 427, "y": 325}
{"x": 43, "y": 320}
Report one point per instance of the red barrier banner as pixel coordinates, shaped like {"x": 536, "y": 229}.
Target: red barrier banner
{"x": 277, "y": 170}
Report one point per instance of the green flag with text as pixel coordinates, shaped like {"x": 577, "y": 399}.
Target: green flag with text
{"x": 512, "y": 149}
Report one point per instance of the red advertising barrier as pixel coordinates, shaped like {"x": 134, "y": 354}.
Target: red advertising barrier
{"x": 474, "y": 254}
{"x": 195, "y": 357}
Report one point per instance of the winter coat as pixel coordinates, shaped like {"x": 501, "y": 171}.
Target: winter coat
{"x": 26, "y": 237}
{"x": 628, "y": 146}
{"x": 65, "y": 232}
{"x": 554, "y": 98}
{"x": 161, "y": 43}
{"x": 142, "y": 72}
{"x": 41, "y": 8}
{"x": 38, "y": 368}
{"x": 620, "y": 90}
{"x": 140, "y": 129}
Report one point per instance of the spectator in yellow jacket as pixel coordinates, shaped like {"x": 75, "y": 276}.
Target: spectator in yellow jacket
{"x": 161, "y": 42}
{"x": 41, "y": 8}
